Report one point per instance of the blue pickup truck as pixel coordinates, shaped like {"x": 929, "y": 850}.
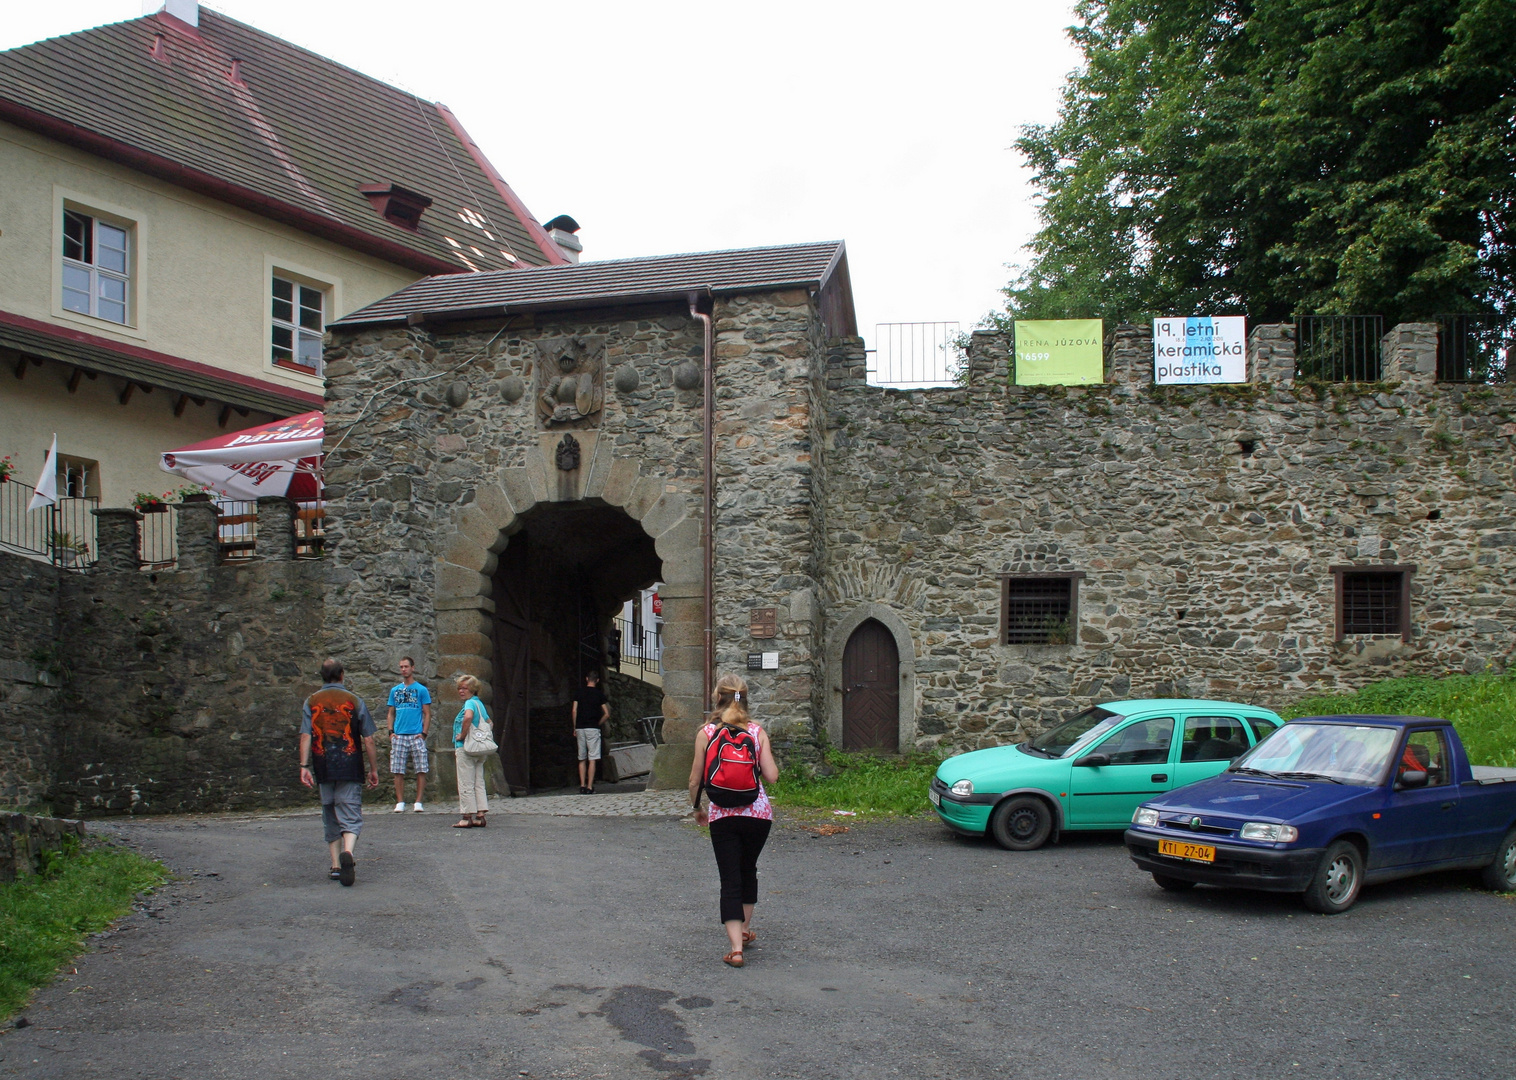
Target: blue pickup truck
{"x": 1328, "y": 804}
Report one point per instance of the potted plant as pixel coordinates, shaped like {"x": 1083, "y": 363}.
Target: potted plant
{"x": 67, "y": 550}
{"x": 6, "y": 468}
{"x": 147, "y": 503}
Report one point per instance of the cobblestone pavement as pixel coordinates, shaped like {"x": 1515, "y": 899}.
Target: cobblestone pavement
{"x": 630, "y": 804}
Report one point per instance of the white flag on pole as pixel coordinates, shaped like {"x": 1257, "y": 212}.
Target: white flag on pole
{"x": 47, "y": 483}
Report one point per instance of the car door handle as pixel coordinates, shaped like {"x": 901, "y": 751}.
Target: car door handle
{"x": 1160, "y": 778}
{"x": 1447, "y": 806}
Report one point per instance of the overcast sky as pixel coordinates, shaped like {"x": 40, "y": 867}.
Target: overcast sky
{"x": 664, "y": 126}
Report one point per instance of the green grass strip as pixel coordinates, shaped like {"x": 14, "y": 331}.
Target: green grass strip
{"x": 867, "y": 784}
{"x": 1481, "y": 707}
{"x": 44, "y": 919}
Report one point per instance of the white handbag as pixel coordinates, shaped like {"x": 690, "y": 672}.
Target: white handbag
{"x": 480, "y": 740}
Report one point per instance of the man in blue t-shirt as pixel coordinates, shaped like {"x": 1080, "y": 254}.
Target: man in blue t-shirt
{"x": 410, "y": 706}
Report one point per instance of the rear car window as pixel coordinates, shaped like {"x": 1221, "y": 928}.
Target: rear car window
{"x": 1261, "y": 728}
{"x": 1212, "y": 738}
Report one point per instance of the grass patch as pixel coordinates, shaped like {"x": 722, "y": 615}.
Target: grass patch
{"x": 43, "y": 920}
{"x": 867, "y": 784}
{"x": 1481, "y": 707}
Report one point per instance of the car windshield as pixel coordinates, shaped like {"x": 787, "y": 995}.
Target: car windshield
{"x": 1089, "y": 724}
{"x": 1349, "y": 755}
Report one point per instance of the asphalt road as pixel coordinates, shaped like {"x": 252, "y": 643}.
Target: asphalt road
{"x": 555, "y": 947}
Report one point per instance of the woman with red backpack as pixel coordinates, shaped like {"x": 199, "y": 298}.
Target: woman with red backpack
{"x": 732, "y": 760}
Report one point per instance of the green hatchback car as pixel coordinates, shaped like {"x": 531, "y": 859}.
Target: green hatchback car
{"x": 1091, "y": 772}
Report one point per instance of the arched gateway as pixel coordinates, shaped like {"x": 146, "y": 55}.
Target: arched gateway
{"x": 508, "y": 451}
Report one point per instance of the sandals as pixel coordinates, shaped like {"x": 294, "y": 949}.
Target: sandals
{"x": 479, "y": 822}
{"x": 346, "y": 868}
{"x": 464, "y": 825}
{"x": 749, "y": 936}
{"x": 733, "y": 958}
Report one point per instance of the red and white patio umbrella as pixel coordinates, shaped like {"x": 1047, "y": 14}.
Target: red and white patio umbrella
{"x": 282, "y": 458}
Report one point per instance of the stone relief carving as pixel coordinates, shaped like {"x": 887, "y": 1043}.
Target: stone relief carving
{"x": 567, "y": 454}
{"x": 570, "y": 382}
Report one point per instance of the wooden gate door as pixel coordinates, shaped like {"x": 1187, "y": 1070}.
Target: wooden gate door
{"x": 513, "y": 701}
{"x": 871, "y": 690}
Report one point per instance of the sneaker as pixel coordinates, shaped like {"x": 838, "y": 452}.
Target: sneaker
{"x": 419, "y": 808}
{"x": 399, "y": 807}
{"x": 347, "y": 873}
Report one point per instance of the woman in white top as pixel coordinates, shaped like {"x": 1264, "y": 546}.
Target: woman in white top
{"x": 738, "y": 833}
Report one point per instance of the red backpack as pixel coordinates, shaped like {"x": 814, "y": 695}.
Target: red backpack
{"x": 731, "y": 768}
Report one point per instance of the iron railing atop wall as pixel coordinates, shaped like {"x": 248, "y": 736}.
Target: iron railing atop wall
{"x": 63, "y": 533}
{"x": 641, "y": 648}
{"x": 158, "y": 537}
{"x": 1474, "y": 348}
{"x": 1338, "y": 348}
{"x": 908, "y": 355}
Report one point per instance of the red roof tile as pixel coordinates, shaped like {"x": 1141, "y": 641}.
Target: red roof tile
{"x": 292, "y": 137}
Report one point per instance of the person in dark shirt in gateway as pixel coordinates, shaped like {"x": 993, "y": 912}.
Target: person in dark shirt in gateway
{"x": 336, "y": 736}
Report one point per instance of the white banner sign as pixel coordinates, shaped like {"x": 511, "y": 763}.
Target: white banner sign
{"x": 1200, "y": 350}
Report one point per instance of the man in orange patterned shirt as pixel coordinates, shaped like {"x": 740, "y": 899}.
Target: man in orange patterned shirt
{"x": 336, "y": 735}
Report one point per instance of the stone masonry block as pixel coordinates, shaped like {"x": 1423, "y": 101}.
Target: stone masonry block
{"x": 685, "y": 657}
{"x": 620, "y": 481}
{"x": 683, "y": 634}
{"x": 684, "y": 567}
{"x": 476, "y": 525}
{"x": 539, "y": 474}
{"x": 459, "y": 581}
{"x": 465, "y": 645}
{"x": 467, "y": 621}
{"x": 495, "y": 505}
{"x": 450, "y": 667}
{"x": 461, "y": 550}
{"x": 683, "y": 610}
{"x": 198, "y": 543}
{"x": 117, "y": 539}
{"x": 645, "y": 493}
{"x": 664, "y": 514}
{"x": 518, "y": 488}
{"x": 276, "y": 528}
{"x": 683, "y": 683}
{"x": 679, "y": 541}
{"x": 598, "y": 470}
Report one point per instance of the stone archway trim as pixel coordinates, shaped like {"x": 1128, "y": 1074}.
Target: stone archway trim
{"x": 463, "y": 605}
{"x": 836, "y": 643}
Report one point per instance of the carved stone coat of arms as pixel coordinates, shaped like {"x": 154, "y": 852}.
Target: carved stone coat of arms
{"x": 570, "y": 391}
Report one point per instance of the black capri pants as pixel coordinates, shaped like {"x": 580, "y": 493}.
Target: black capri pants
{"x": 737, "y": 842}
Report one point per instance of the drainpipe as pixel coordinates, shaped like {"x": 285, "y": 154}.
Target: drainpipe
{"x": 709, "y": 524}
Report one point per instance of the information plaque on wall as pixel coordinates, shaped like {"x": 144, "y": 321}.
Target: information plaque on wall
{"x": 763, "y": 622}
{"x": 763, "y": 661}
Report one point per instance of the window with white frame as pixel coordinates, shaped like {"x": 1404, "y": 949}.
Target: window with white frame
{"x": 299, "y": 321}
{"x": 96, "y": 267}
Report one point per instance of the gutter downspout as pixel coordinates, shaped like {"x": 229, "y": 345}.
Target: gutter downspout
{"x": 708, "y": 524}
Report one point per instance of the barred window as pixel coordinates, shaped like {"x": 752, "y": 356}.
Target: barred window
{"x": 1373, "y": 600}
{"x": 1039, "y": 609}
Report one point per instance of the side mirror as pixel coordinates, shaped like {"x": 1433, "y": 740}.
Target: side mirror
{"x": 1093, "y": 760}
{"x": 1411, "y": 778}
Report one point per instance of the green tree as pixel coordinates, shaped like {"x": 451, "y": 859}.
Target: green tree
{"x": 1279, "y": 157}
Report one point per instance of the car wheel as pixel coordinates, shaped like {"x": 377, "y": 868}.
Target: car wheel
{"x": 1022, "y": 823}
{"x": 1172, "y": 884}
{"x": 1339, "y": 877}
{"x": 1500, "y": 875}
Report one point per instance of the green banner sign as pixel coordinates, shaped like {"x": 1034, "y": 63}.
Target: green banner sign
{"x": 1065, "y": 352}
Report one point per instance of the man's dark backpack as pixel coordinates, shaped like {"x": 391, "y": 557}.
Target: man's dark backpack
{"x": 731, "y": 768}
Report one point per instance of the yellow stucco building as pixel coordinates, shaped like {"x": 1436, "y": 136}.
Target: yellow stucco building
{"x": 185, "y": 203}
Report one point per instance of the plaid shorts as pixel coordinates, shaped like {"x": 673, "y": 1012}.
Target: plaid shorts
{"x": 407, "y": 751}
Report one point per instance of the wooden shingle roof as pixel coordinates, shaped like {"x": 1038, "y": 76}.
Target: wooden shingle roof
{"x": 241, "y": 115}
{"x": 619, "y": 281}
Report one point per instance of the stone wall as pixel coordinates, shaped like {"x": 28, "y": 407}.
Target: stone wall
{"x": 30, "y": 673}
{"x": 24, "y": 840}
{"x": 1205, "y": 521}
{"x": 439, "y": 456}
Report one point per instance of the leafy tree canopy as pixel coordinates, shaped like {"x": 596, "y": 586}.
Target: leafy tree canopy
{"x": 1278, "y": 157}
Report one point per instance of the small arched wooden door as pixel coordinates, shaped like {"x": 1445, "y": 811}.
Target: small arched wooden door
{"x": 871, "y": 690}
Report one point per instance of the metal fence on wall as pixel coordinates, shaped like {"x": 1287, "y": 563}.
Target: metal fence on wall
{"x": 1474, "y": 348}
{"x": 63, "y": 533}
{"x": 641, "y": 648}
{"x": 1338, "y": 348}
{"x": 910, "y": 355}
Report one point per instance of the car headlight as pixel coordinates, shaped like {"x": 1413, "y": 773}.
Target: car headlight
{"x": 963, "y": 787}
{"x": 1264, "y": 830}
{"x": 1144, "y": 816}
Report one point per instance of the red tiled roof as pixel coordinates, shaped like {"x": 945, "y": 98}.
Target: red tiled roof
{"x": 292, "y": 137}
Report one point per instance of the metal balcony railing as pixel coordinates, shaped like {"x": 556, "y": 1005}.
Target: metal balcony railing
{"x": 63, "y": 534}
